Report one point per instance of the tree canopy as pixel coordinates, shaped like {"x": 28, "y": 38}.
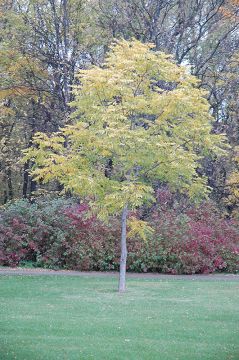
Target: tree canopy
{"x": 139, "y": 117}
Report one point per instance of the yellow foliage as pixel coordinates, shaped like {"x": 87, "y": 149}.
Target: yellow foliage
{"x": 233, "y": 181}
{"x": 140, "y": 228}
{"x": 141, "y": 113}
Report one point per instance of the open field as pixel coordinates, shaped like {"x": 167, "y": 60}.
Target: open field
{"x": 66, "y": 317}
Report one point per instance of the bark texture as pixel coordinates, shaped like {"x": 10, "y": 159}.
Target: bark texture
{"x": 123, "y": 257}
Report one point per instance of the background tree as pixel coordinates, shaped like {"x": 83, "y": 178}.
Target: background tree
{"x": 140, "y": 118}
{"x": 233, "y": 185}
{"x": 43, "y": 44}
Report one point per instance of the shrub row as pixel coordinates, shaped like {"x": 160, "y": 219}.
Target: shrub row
{"x": 60, "y": 234}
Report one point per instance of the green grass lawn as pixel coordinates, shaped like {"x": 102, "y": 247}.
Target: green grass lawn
{"x": 61, "y": 317}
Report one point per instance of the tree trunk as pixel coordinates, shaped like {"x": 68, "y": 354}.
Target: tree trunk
{"x": 9, "y": 183}
{"x": 65, "y": 23}
{"x": 33, "y": 186}
{"x": 123, "y": 257}
{"x": 25, "y": 179}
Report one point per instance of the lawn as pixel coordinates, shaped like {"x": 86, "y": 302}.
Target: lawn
{"x": 63, "y": 317}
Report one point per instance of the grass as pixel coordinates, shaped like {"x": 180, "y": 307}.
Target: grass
{"x": 78, "y": 318}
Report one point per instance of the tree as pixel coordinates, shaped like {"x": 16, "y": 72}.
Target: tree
{"x": 233, "y": 184}
{"x": 222, "y": 84}
{"x": 43, "y": 43}
{"x": 138, "y": 118}
{"x": 18, "y": 93}
{"x": 194, "y": 31}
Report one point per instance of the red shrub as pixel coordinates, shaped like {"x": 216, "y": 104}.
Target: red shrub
{"x": 62, "y": 234}
{"x": 199, "y": 241}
